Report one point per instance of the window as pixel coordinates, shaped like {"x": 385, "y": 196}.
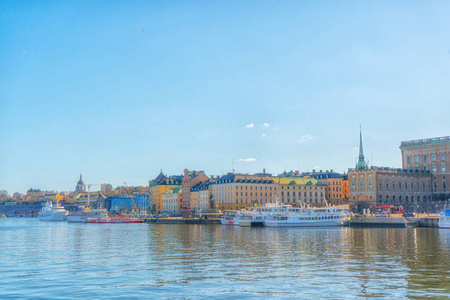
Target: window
{"x": 408, "y": 159}
{"x": 425, "y": 158}
{"x": 442, "y": 156}
{"x": 370, "y": 184}
{"x": 416, "y": 158}
{"x": 361, "y": 184}
{"x": 434, "y": 168}
{"x": 433, "y": 157}
{"x": 443, "y": 168}
{"x": 353, "y": 185}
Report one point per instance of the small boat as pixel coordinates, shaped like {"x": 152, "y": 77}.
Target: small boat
{"x": 444, "y": 219}
{"x": 2, "y": 216}
{"x": 114, "y": 220}
{"x": 83, "y": 216}
{"x": 231, "y": 218}
{"x": 53, "y": 213}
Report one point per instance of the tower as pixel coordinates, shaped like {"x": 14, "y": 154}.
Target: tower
{"x": 361, "y": 165}
{"x": 80, "y": 185}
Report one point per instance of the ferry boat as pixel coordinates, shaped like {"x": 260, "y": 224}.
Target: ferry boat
{"x": 444, "y": 219}
{"x": 252, "y": 220}
{"x": 256, "y": 216}
{"x": 309, "y": 217}
{"x": 53, "y": 213}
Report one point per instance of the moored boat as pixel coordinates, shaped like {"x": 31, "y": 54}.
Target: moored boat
{"x": 231, "y": 218}
{"x": 309, "y": 217}
{"x": 444, "y": 219}
{"x": 114, "y": 219}
{"x": 82, "y": 216}
{"x": 52, "y": 212}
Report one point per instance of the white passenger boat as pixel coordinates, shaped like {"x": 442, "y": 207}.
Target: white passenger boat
{"x": 256, "y": 216}
{"x": 52, "y": 213}
{"x": 444, "y": 219}
{"x": 231, "y": 218}
{"x": 309, "y": 217}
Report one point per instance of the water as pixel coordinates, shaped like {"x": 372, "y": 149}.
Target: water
{"x": 42, "y": 260}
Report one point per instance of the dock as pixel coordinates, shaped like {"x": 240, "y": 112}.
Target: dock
{"x": 394, "y": 221}
{"x": 182, "y": 221}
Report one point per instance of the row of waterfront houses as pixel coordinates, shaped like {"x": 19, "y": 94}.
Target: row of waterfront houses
{"x": 196, "y": 191}
{"x": 420, "y": 185}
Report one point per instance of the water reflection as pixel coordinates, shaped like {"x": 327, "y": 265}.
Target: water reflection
{"x": 197, "y": 261}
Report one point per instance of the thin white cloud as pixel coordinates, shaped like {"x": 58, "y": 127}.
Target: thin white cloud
{"x": 306, "y": 138}
{"x": 251, "y": 125}
{"x": 247, "y": 159}
{"x": 263, "y": 135}
{"x": 356, "y": 148}
{"x": 266, "y": 124}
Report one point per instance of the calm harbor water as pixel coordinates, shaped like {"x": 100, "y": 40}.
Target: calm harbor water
{"x": 42, "y": 260}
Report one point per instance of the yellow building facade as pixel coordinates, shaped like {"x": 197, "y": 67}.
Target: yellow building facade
{"x": 298, "y": 191}
{"x": 159, "y": 186}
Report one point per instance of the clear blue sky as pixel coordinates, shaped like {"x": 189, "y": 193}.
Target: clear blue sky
{"x": 118, "y": 90}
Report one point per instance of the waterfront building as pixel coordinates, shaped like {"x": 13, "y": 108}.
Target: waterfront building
{"x": 370, "y": 187}
{"x": 125, "y": 203}
{"x": 171, "y": 200}
{"x": 190, "y": 179}
{"x": 433, "y": 155}
{"x": 200, "y": 196}
{"x": 159, "y": 186}
{"x": 345, "y": 188}
{"x": 106, "y": 189}
{"x": 333, "y": 181}
{"x": 296, "y": 191}
{"x": 87, "y": 198}
{"x": 237, "y": 191}
{"x": 33, "y": 195}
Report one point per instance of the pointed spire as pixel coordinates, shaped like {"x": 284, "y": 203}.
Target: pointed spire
{"x": 361, "y": 152}
{"x": 361, "y": 165}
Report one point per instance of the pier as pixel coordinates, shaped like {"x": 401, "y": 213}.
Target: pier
{"x": 423, "y": 220}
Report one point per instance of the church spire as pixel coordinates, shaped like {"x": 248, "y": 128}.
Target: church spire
{"x": 361, "y": 152}
{"x": 361, "y": 165}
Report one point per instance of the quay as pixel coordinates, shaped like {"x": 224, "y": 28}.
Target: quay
{"x": 423, "y": 220}
{"x": 180, "y": 220}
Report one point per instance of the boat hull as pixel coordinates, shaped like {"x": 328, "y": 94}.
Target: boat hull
{"x": 251, "y": 223}
{"x": 114, "y": 220}
{"x": 444, "y": 224}
{"x": 76, "y": 219}
{"x": 324, "y": 223}
{"x": 55, "y": 216}
{"x": 233, "y": 222}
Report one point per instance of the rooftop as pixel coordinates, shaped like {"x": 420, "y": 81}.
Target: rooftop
{"x": 397, "y": 170}
{"x": 444, "y": 139}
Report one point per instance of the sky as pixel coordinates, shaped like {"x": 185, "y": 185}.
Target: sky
{"x": 118, "y": 90}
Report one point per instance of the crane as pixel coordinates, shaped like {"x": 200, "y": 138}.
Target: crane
{"x": 131, "y": 197}
{"x": 87, "y": 208}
